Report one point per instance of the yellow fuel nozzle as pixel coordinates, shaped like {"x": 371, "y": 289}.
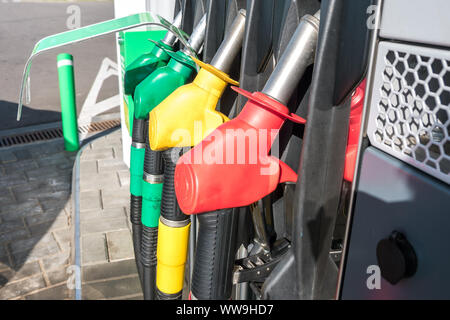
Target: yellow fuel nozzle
{"x": 188, "y": 115}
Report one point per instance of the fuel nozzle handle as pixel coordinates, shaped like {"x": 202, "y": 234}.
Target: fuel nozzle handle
{"x": 197, "y": 37}
{"x": 231, "y": 45}
{"x": 298, "y": 55}
{"x": 170, "y": 37}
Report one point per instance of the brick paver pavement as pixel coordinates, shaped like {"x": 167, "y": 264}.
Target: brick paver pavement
{"x": 36, "y": 236}
{"x": 107, "y": 258}
{"x": 37, "y": 222}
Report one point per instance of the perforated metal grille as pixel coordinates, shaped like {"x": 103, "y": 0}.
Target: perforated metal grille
{"x": 410, "y": 106}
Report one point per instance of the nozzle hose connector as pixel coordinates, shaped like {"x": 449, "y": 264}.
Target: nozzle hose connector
{"x": 197, "y": 37}
{"x": 298, "y": 55}
{"x": 152, "y": 181}
{"x": 173, "y": 235}
{"x": 170, "y": 37}
{"x": 172, "y": 255}
{"x": 231, "y": 45}
{"x": 214, "y": 256}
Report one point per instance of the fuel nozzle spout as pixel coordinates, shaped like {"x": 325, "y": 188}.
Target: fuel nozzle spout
{"x": 197, "y": 37}
{"x": 170, "y": 38}
{"x": 298, "y": 55}
{"x": 240, "y": 147}
{"x": 231, "y": 45}
{"x": 185, "y": 117}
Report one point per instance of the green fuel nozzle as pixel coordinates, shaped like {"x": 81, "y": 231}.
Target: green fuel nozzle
{"x": 163, "y": 81}
{"x": 146, "y": 63}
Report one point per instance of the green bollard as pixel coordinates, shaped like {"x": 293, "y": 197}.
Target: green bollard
{"x": 68, "y": 102}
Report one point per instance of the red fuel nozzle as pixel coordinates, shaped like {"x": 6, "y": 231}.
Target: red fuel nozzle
{"x": 232, "y": 166}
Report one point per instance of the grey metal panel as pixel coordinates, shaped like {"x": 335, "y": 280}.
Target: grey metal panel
{"x": 410, "y": 106}
{"x": 391, "y": 195}
{"x": 423, "y": 21}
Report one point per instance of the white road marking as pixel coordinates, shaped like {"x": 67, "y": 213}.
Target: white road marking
{"x": 91, "y": 107}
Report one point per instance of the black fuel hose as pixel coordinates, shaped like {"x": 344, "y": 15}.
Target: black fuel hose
{"x": 170, "y": 210}
{"x": 153, "y": 167}
{"x": 214, "y": 255}
{"x": 138, "y": 140}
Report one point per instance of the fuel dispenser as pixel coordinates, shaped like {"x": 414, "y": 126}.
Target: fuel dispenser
{"x": 353, "y": 206}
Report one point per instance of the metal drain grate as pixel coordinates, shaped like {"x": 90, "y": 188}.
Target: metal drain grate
{"x": 98, "y": 126}
{"x": 54, "y": 133}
